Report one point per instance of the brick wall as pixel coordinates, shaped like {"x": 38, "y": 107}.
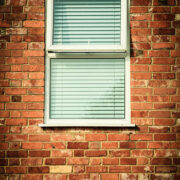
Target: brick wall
{"x": 149, "y": 151}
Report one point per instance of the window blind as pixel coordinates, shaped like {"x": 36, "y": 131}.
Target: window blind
{"x": 87, "y": 22}
{"x": 87, "y": 89}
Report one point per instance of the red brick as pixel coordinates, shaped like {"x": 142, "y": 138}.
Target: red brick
{"x": 4, "y": 68}
{"x": 158, "y": 38}
{"x": 39, "y": 153}
{"x": 119, "y": 153}
{"x": 35, "y": 90}
{"x": 14, "y": 162}
{"x": 38, "y": 170}
{"x": 120, "y": 169}
{"x": 160, "y": 24}
{"x": 164, "y": 17}
{"x": 161, "y": 176}
{"x": 164, "y": 122}
{"x": 35, "y": 16}
{"x": 33, "y": 9}
{"x": 16, "y": 170}
{"x": 157, "y": 53}
{"x": 4, "y": 130}
{"x": 163, "y": 31}
{"x": 33, "y": 68}
{"x": 163, "y": 75}
{"x": 95, "y": 153}
{"x": 141, "y": 106}
{"x": 63, "y": 137}
{"x": 158, "y": 83}
{"x": 164, "y": 137}
{"x": 17, "y": 154}
{"x": 77, "y": 145}
{"x": 17, "y": 45}
{"x": 3, "y": 145}
{"x": 166, "y": 169}
{"x": 36, "y": 2}
{"x": 109, "y": 177}
{"x": 110, "y": 161}
{"x": 118, "y": 137}
{"x": 136, "y": 114}
{"x": 142, "y": 153}
{"x": 62, "y": 153}
{"x": 31, "y": 162}
{"x": 143, "y": 137}
{"x": 55, "y": 145}
{"x": 16, "y": 30}
{"x": 15, "y": 91}
{"x": 141, "y": 75}
{"x": 35, "y": 31}
{"x": 55, "y": 161}
{"x": 32, "y": 114}
{"x": 34, "y": 38}
{"x": 159, "y": 145}
{"x": 139, "y": 9}
{"x": 139, "y": 24}
{"x": 31, "y": 130}
{"x": 77, "y": 177}
{"x": 140, "y": 3}
{"x": 4, "y": 24}
{"x": 165, "y": 153}
{"x": 142, "y": 169}
{"x": 126, "y": 176}
{"x": 21, "y": 137}
{"x": 160, "y": 68}
{"x": 33, "y": 23}
{"x": 141, "y": 91}
{"x": 16, "y": 106}
{"x": 175, "y": 53}
{"x": 158, "y": 129}
{"x": 141, "y": 32}
{"x": 17, "y": 9}
{"x": 78, "y": 161}
{"x": 36, "y": 60}
{"x": 32, "y": 53}
{"x": 96, "y": 169}
{"x": 163, "y": 46}
{"x": 32, "y": 145}
{"x": 163, "y": 3}
{"x": 164, "y": 91}
{"x": 109, "y": 145}
{"x": 31, "y": 177}
{"x": 95, "y": 137}
{"x": 175, "y": 10}
{"x": 39, "y": 138}
{"x": 36, "y": 45}
{"x": 161, "y": 161}
{"x": 137, "y": 38}
{"x": 128, "y": 161}
{"x": 159, "y": 114}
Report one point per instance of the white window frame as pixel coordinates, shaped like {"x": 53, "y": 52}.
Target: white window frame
{"x": 61, "y": 51}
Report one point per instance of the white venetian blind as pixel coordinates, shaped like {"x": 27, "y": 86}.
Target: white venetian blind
{"x": 87, "y": 89}
{"x": 95, "y": 22}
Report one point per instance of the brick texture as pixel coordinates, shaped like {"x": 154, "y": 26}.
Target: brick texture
{"x": 149, "y": 151}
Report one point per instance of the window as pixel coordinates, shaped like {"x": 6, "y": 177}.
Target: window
{"x": 87, "y": 63}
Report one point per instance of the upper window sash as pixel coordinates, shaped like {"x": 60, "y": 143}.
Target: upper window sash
{"x": 122, "y": 47}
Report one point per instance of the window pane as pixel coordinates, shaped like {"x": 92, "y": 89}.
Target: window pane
{"x": 79, "y": 22}
{"x": 87, "y": 89}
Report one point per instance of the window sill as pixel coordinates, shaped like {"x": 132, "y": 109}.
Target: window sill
{"x": 87, "y": 125}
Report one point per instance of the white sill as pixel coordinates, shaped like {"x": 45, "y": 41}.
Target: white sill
{"x": 87, "y": 125}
